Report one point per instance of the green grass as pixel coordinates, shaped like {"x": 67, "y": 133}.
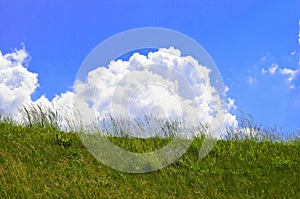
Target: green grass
{"x": 40, "y": 161}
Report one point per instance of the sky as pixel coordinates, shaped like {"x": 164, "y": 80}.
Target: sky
{"x": 255, "y": 45}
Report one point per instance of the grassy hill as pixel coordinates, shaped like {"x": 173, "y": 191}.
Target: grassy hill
{"x": 44, "y": 162}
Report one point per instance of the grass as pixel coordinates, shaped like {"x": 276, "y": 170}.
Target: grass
{"x": 41, "y": 161}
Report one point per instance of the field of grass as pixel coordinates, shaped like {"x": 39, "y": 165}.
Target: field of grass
{"x": 41, "y": 161}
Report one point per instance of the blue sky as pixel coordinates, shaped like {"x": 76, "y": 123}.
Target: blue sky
{"x": 246, "y": 39}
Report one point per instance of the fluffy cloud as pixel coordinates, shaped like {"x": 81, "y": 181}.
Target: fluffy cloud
{"x": 16, "y": 82}
{"x": 163, "y": 83}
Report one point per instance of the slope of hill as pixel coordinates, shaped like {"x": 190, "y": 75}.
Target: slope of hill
{"x": 43, "y": 162}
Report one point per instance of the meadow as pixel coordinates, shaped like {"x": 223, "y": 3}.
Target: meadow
{"x": 40, "y": 160}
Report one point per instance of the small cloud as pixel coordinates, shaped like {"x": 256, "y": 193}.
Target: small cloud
{"x": 293, "y": 53}
{"x": 226, "y": 89}
{"x": 251, "y": 80}
{"x": 263, "y": 59}
{"x": 299, "y": 33}
{"x": 231, "y": 104}
{"x": 292, "y": 74}
{"x": 287, "y": 72}
{"x": 273, "y": 68}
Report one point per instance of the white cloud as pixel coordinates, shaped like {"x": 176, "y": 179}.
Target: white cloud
{"x": 163, "y": 82}
{"x": 251, "y": 80}
{"x": 231, "y": 104}
{"x": 299, "y": 33}
{"x": 226, "y": 89}
{"x": 263, "y": 59}
{"x": 273, "y": 68}
{"x": 293, "y": 52}
{"x": 163, "y": 78}
{"x": 292, "y": 74}
{"x": 16, "y": 82}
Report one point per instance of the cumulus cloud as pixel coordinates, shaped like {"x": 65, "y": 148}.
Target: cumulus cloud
{"x": 163, "y": 83}
{"x": 162, "y": 80}
{"x": 16, "y": 82}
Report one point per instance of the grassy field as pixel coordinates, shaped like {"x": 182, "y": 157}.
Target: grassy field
{"x": 40, "y": 161}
